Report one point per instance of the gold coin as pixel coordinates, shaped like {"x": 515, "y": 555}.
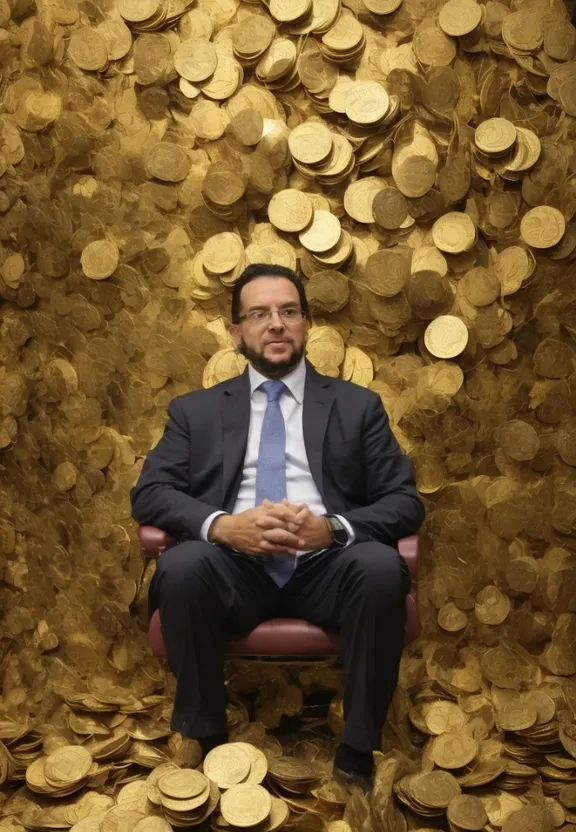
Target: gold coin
{"x": 443, "y": 716}
{"x": 434, "y": 789}
{"x": 258, "y": 762}
{"x": 227, "y": 765}
{"x": 322, "y": 234}
{"x": 359, "y": 197}
{"x": 88, "y": 49}
{"x": 390, "y": 208}
{"x": 454, "y": 232}
{"x": 184, "y": 783}
{"x": 492, "y": 606}
{"x": 517, "y": 716}
{"x": 222, "y": 253}
{"x": 136, "y": 11}
{"x": 226, "y": 79}
{"x": 99, "y": 259}
{"x": 117, "y": 36}
{"x": 188, "y": 804}
{"x": 466, "y": 811}
{"x": 69, "y": 764}
{"x": 528, "y": 149}
{"x": 287, "y": 11}
{"x": 521, "y": 31}
{"x": 310, "y": 142}
{"x": 245, "y": 805}
{"x": 195, "y": 60}
{"x": 382, "y": 6}
{"x": 168, "y": 161}
{"x": 366, "y": 102}
{"x": 290, "y": 210}
{"x": 459, "y": 17}
{"x": 495, "y": 135}
{"x": 453, "y": 750}
{"x": 542, "y": 227}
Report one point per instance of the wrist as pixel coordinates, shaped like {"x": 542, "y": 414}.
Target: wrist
{"x": 219, "y": 531}
{"x": 327, "y": 536}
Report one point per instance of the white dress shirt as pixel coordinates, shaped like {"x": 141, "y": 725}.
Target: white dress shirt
{"x": 300, "y": 486}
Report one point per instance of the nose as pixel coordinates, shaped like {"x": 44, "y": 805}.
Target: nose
{"x": 276, "y": 321}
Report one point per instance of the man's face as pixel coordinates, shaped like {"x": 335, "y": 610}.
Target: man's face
{"x": 274, "y": 346}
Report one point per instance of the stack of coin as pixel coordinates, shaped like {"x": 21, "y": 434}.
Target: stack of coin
{"x": 251, "y": 37}
{"x": 428, "y": 794}
{"x": 61, "y": 773}
{"x": 152, "y": 15}
{"x": 223, "y": 187}
{"x": 460, "y": 17}
{"x": 234, "y": 763}
{"x": 223, "y": 257}
{"x": 234, "y": 811}
{"x": 187, "y": 797}
{"x": 367, "y": 104}
{"x": 277, "y": 69}
{"x": 345, "y": 41}
{"x": 289, "y": 776}
{"x": 415, "y": 163}
{"x": 312, "y": 147}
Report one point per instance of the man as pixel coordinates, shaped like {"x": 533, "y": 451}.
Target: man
{"x": 288, "y": 492}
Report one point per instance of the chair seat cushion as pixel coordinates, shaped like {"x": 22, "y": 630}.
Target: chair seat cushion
{"x": 283, "y": 637}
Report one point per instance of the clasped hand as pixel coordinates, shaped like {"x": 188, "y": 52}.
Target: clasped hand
{"x": 282, "y": 528}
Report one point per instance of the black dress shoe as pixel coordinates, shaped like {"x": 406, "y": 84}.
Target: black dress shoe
{"x": 348, "y": 779}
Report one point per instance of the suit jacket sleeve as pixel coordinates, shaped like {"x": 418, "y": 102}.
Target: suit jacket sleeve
{"x": 394, "y": 508}
{"x": 161, "y": 497}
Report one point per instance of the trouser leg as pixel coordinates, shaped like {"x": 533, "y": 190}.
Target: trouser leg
{"x": 362, "y": 592}
{"x": 205, "y": 594}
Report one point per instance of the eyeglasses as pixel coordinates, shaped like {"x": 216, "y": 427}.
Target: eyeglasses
{"x": 257, "y": 317}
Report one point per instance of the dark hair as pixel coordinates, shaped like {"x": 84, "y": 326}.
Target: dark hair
{"x": 263, "y": 270}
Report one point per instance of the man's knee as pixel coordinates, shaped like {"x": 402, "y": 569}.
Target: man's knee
{"x": 382, "y": 567}
{"x": 182, "y": 564}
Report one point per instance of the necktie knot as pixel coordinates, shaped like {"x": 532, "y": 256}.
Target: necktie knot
{"x": 273, "y": 389}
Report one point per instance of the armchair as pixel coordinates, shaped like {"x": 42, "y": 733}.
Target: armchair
{"x": 280, "y": 637}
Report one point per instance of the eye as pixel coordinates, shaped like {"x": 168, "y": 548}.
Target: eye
{"x": 290, "y": 313}
{"x": 259, "y": 315}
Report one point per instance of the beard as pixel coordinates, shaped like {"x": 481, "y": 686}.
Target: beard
{"x": 271, "y": 369}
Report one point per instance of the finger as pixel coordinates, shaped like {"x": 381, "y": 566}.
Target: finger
{"x": 268, "y": 521}
{"x": 282, "y": 537}
{"x": 282, "y": 512}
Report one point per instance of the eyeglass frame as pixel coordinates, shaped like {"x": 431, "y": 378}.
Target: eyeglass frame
{"x": 268, "y": 316}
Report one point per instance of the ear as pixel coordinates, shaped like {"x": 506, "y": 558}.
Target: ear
{"x": 234, "y": 332}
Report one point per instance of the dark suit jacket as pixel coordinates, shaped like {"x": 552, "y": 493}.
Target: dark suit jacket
{"x": 357, "y": 465}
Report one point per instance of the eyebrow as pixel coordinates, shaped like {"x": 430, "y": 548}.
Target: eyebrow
{"x": 291, "y": 303}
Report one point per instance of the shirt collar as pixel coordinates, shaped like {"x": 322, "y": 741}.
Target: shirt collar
{"x": 294, "y": 381}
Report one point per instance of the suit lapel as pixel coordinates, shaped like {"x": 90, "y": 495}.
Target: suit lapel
{"x": 318, "y": 400}
{"x": 235, "y": 415}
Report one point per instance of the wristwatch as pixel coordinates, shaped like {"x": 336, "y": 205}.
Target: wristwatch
{"x": 337, "y": 529}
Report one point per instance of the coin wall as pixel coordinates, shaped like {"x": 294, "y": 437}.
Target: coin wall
{"x": 415, "y": 163}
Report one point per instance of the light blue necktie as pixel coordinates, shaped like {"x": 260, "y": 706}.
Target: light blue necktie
{"x": 271, "y": 471}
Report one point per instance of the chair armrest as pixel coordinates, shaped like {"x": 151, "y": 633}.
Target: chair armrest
{"x": 154, "y": 541}
{"x": 408, "y": 548}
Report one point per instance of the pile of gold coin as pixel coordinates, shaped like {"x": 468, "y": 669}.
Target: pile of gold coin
{"x": 508, "y": 149}
{"x": 414, "y": 162}
{"x": 152, "y": 15}
{"x": 61, "y": 773}
{"x": 187, "y": 797}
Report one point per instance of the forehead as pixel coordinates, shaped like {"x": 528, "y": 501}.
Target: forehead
{"x": 264, "y": 291}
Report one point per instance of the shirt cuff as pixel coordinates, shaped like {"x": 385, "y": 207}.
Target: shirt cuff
{"x": 207, "y": 523}
{"x": 348, "y": 527}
